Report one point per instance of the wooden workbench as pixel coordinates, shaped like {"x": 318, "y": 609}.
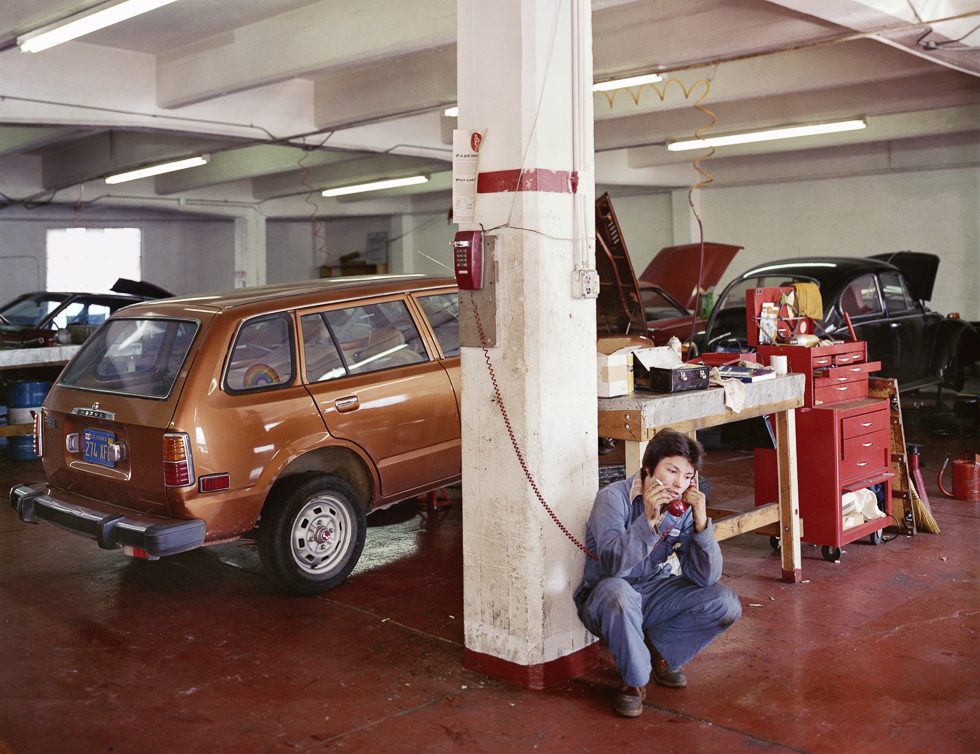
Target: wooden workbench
{"x": 21, "y": 362}
{"x": 635, "y": 419}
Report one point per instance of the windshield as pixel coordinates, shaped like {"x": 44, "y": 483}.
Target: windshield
{"x": 140, "y": 357}
{"x": 31, "y": 311}
{"x": 727, "y": 330}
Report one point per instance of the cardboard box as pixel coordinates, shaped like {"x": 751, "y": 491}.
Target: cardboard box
{"x": 614, "y": 366}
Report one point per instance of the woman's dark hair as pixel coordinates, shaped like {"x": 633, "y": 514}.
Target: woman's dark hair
{"x": 670, "y": 442}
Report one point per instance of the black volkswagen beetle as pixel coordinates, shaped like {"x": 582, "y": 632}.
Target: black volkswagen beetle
{"x": 885, "y": 297}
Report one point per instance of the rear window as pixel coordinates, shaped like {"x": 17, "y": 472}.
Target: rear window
{"x": 140, "y": 357}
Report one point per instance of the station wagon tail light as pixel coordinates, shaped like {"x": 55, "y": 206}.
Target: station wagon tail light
{"x": 38, "y": 442}
{"x": 214, "y": 482}
{"x": 178, "y": 463}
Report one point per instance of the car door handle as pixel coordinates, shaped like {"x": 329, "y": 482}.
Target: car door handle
{"x": 346, "y": 404}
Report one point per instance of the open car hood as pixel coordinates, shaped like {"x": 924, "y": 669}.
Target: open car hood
{"x": 140, "y": 288}
{"x": 675, "y": 269}
{"x": 919, "y": 268}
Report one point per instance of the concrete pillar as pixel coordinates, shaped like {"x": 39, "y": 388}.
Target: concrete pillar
{"x": 525, "y": 72}
{"x": 250, "y": 247}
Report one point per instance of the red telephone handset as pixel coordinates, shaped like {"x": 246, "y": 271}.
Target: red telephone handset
{"x": 468, "y": 259}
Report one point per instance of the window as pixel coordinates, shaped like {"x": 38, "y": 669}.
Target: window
{"x": 139, "y": 357}
{"x": 376, "y": 336}
{"x": 92, "y": 259}
{"x": 442, "y": 311}
{"x": 897, "y": 298}
{"x": 82, "y": 313}
{"x": 323, "y": 361}
{"x": 262, "y": 356}
{"x": 860, "y": 298}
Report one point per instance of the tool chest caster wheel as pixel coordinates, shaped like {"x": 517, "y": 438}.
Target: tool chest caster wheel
{"x": 774, "y": 543}
{"x": 831, "y": 554}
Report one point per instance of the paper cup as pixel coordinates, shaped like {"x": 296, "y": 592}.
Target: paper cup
{"x": 779, "y": 364}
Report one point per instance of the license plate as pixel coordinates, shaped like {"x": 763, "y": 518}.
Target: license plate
{"x": 97, "y": 447}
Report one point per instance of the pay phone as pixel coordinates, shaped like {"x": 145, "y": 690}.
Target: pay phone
{"x": 468, "y": 259}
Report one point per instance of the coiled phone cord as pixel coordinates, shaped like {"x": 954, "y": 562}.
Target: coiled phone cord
{"x": 513, "y": 439}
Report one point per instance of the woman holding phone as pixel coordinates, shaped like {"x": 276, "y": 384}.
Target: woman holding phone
{"x": 654, "y": 620}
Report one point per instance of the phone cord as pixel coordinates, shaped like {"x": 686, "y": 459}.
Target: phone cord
{"x": 513, "y": 439}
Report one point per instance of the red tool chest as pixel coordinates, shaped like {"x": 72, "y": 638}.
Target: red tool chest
{"x": 843, "y": 443}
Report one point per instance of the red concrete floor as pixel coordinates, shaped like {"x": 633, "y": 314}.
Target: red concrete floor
{"x": 201, "y": 653}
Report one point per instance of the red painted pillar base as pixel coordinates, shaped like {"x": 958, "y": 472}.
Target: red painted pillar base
{"x": 540, "y": 677}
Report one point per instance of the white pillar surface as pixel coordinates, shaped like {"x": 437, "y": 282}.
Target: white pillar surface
{"x": 250, "y": 256}
{"x": 525, "y": 72}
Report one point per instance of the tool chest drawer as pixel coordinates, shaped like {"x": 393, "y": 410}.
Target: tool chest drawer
{"x": 866, "y": 453}
{"x": 853, "y": 371}
{"x": 842, "y": 392}
{"x": 833, "y": 372}
{"x": 863, "y": 424}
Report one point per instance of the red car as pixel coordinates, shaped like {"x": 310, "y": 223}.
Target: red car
{"x": 662, "y": 302}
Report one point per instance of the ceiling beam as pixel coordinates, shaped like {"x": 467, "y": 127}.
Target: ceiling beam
{"x": 301, "y": 43}
{"x": 249, "y": 162}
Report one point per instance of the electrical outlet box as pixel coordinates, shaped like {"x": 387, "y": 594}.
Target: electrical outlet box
{"x": 585, "y": 284}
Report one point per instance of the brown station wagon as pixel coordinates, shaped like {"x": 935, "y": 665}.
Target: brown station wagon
{"x": 298, "y": 407}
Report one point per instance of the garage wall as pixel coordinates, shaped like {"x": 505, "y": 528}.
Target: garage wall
{"x": 935, "y": 211}
{"x": 646, "y": 224}
{"x": 293, "y": 252}
{"x": 179, "y": 254}
{"x": 416, "y": 238}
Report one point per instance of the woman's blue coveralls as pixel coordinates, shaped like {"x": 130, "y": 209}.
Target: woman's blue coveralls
{"x": 631, "y": 590}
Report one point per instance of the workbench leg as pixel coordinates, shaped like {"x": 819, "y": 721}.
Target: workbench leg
{"x": 789, "y": 496}
{"x": 634, "y": 455}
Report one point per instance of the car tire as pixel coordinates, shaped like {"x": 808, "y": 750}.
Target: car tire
{"x": 311, "y": 533}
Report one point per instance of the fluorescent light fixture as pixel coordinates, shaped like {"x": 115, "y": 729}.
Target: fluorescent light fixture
{"x": 608, "y": 86}
{"x": 163, "y": 167}
{"x": 81, "y": 24}
{"x": 451, "y": 112}
{"x": 789, "y": 132}
{"x": 376, "y": 185}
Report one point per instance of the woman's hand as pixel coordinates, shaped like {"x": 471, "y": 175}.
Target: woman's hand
{"x": 655, "y": 499}
{"x": 695, "y": 498}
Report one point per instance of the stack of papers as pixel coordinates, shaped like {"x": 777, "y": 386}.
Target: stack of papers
{"x": 746, "y": 373}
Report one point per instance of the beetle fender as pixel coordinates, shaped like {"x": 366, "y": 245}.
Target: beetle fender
{"x": 957, "y": 346}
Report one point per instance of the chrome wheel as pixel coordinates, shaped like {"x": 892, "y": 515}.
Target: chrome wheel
{"x": 321, "y": 534}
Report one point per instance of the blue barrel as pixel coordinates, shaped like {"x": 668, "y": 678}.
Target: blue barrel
{"x": 23, "y": 398}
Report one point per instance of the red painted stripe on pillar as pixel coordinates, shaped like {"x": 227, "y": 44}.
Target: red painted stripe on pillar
{"x": 538, "y": 677}
{"x": 533, "y": 179}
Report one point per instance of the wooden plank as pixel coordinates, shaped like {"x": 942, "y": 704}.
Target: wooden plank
{"x": 740, "y": 523}
{"x": 16, "y": 430}
{"x": 789, "y": 497}
{"x": 621, "y": 425}
{"x": 904, "y": 495}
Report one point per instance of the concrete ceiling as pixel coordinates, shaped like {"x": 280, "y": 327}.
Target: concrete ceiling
{"x": 292, "y": 96}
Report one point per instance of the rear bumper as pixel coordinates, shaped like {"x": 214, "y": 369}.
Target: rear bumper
{"x": 110, "y": 531}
